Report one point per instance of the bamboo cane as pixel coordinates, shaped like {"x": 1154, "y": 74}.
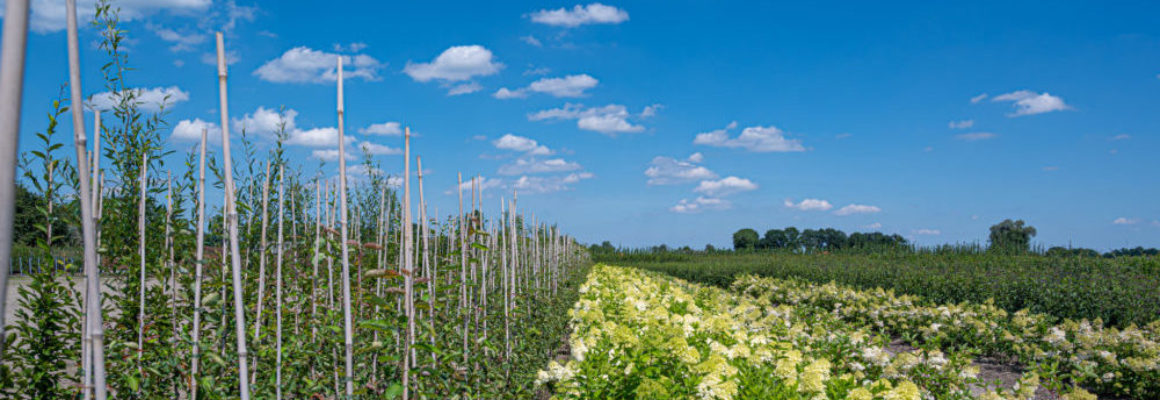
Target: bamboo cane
{"x": 141, "y": 253}
{"x": 278, "y": 282}
{"x": 87, "y": 338}
{"x": 232, "y": 212}
{"x": 407, "y": 266}
{"x": 200, "y": 261}
{"x": 463, "y": 306}
{"x": 348, "y": 336}
{"x": 15, "y": 29}
{"x": 261, "y": 265}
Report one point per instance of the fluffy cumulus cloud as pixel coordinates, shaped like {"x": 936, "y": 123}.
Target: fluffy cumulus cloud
{"x": 385, "y": 128}
{"x": 964, "y": 124}
{"x": 852, "y": 209}
{"x": 809, "y": 205}
{"x": 594, "y": 13}
{"x": 724, "y": 187}
{"x": 190, "y": 131}
{"x": 758, "y": 139}
{"x": 1027, "y": 102}
{"x": 316, "y": 137}
{"x": 456, "y": 64}
{"x": 609, "y": 120}
{"x": 267, "y": 122}
{"x": 547, "y": 184}
{"x": 378, "y": 149}
{"x": 521, "y": 144}
{"x": 330, "y": 155}
{"x": 482, "y": 183}
{"x": 1125, "y": 221}
{"x": 568, "y": 86}
{"x": 534, "y": 166}
{"x": 975, "y": 136}
{"x": 305, "y": 65}
{"x": 147, "y": 99}
{"x": 671, "y": 171}
{"x": 701, "y": 203}
{"x": 927, "y": 232}
{"x": 49, "y": 15}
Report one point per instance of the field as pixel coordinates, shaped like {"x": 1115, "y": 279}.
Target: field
{"x": 647, "y": 335}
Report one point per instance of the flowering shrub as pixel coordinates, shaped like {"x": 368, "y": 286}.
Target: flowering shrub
{"x": 1120, "y": 362}
{"x": 643, "y": 335}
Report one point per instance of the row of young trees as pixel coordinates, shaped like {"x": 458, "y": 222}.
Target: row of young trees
{"x": 316, "y": 289}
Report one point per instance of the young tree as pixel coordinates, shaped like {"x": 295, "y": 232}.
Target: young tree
{"x": 745, "y": 239}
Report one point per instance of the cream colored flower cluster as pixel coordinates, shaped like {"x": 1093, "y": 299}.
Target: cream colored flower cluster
{"x": 642, "y": 335}
{"x": 1120, "y": 362}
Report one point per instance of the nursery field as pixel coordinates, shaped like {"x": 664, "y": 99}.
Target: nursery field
{"x": 647, "y": 335}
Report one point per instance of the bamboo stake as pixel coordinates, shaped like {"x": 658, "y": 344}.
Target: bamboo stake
{"x": 198, "y": 270}
{"x": 12, "y": 52}
{"x": 463, "y": 307}
{"x": 425, "y": 238}
{"x": 348, "y": 336}
{"x": 141, "y": 253}
{"x": 314, "y": 275}
{"x": 169, "y": 245}
{"x": 507, "y": 333}
{"x": 407, "y": 266}
{"x": 232, "y": 212}
{"x": 278, "y": 281}
{"x": 15, "y": 31}
{"x": 262, "y": 263}
{"x": 87, "y": 338}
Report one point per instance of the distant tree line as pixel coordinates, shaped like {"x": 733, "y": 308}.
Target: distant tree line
{"x": 1006, "y": 237}
{"x": 811, "y": 240}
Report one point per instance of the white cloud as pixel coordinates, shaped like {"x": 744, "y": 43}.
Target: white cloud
{"x": 317, "y": 137}
{"x": 927, "y": 232}
{"x": 181, "y": 41}
{"x": 305, "y": 65}
{"x": 534, "y": 166}
{"x": 350, "y": 48}
{"x": 378, "y": 149}
{"x": 49, "y": 15}
{"x": 758, "y": 139}
{"x": 975, "y": 136}
{"x": 483, "y": 184}
{"x": 876, "y": 225}
{"x": 547, "y": 184}
{"x": 385, "y": 128}
{"x": 265, "y": 121}
{"x": 852, "y": 209}
{"x": 964, "y": 124}
{"x": 977, "y": 99}
{"x": 696, "y": 157}
{"x": 701, "y": 203}
{"x": 651, "y": 111}
{"x": 610, "y": 119}
{"x": 505, "y": 93}
{"x": 568, "y": 86}
{"x": 1126, "y": 221}
{"x": 670, "y": 171}
{"x": 521, "y": 144}
{"x": 464, "y": 88}
{"x": 457, "y": 63}
{"x": 532, "y": 71}
{"x": 531, "y": 40}
{"x": 151, "y": 99}
{"x": 594, "y": 13}
{"x": 1027, "y": 102}
{"x": 1122, "y": 136}
{"x": 809, "y": 205}
{"x": 724, "y": 187}
{"x": 190, "y": 131}
{"x": 330, "y": 155}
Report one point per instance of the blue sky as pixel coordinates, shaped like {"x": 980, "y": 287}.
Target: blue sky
{"x": 680, "y": 122}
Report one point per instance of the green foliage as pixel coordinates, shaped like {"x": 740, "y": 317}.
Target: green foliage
{"x": 47, "y": 338}
{"x": 1011, "y": 236}
{"x": 745, "y": 239}
{"x": 1120, "y": 291}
